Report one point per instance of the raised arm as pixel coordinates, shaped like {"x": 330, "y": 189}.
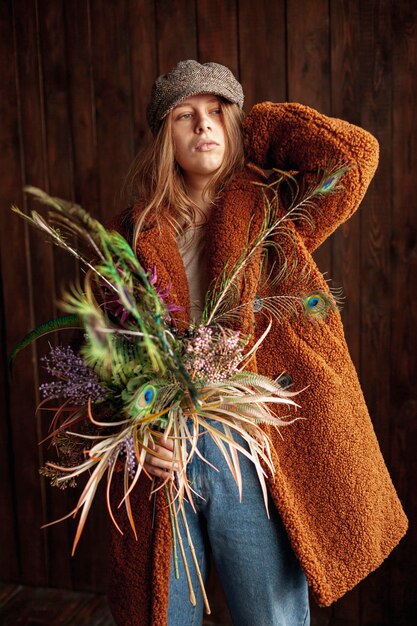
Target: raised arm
{"x": 291, "y": 136}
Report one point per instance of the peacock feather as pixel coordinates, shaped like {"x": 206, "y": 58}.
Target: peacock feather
{"x": 66, "y": 321}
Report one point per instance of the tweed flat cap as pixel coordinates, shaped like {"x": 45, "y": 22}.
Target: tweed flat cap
{"x": 190, "y": 78}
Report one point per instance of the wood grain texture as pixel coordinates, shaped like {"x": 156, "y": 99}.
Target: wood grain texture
{"x": 44, "y": 607}
{"x": 143, "y": 62}
{"x": 403, "y": 311}
{"x": 25, "y": 309}
{"x": 58, "y": 167}
{"x": 376, "y": 276}
{"x": 10, "y": 166}
{"x": 176, "y": 32}
{"x": 263, "y": 71}
{"x": 308, "y": 71}
{"x": 74, "y": 81}
{"x": 81, "y": 104}
{"x": 113, "y": 98}
{"x": 218, "y": 44}
{"x": 308, "y": 41}
{"x": 346, "y": 104}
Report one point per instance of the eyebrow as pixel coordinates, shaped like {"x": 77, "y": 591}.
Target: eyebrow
{"x": 185, "y": 103}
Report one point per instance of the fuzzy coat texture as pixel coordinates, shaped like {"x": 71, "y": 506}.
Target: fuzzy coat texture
{"x": 331, "y": 485}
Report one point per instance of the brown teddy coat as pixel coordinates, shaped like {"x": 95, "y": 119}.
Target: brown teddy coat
{"x": 331, "y": 485}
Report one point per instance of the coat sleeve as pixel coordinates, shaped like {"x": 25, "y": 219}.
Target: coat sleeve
{"x": 291, "y": 136}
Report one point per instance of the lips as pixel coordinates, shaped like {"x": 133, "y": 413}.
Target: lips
{"x": 205, "y": 146}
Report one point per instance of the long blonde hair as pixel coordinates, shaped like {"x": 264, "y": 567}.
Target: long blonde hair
{"x": 156, "y": 183}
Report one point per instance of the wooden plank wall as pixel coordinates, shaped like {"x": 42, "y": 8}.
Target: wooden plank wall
{"x": 75, "y": 77}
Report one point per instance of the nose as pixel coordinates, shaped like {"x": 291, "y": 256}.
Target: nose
{"x": 202, "y": 123}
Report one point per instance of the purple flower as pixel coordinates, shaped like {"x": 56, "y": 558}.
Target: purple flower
{"x": 126, "y": 450}
{"x": 74, "y": 380}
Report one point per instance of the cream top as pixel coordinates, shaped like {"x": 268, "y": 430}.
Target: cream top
{"x": 191, "y": 246}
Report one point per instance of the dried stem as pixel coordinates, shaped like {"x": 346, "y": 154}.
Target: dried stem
{"x": 197, "y": 567}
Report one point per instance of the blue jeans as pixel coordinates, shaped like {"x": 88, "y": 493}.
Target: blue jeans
{"x": 262, "y": 579}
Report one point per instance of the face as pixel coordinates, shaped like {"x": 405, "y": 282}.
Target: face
{"x": 198, "y": 135}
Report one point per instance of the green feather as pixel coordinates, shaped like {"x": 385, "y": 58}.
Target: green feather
{"x": 66, "y": 321}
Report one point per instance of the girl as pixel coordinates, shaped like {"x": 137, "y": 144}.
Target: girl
{"x": 334, "y": 512}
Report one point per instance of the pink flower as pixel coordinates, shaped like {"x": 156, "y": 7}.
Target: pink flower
{"x": 163, "y": 295}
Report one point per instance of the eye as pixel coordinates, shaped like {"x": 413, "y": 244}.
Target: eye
{"x": 184, "y": 116}
{"x": 217, "y": 111}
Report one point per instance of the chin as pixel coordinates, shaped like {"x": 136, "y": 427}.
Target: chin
{"x": 211, "y": 168}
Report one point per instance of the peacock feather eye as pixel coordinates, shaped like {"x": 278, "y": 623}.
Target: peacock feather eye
{"x": 317, "y": 305}
{"x": 149, "y": 395}
{"x": 145, "y": 397}
{"x": 313, "y": 302}
{"x": 330, "y": 183}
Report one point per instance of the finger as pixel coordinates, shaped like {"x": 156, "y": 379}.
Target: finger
{"x": 162, "y": 453}
{"x": 154, "y": 461}
{"x": 157, "y": 471}
{"x": 159, "y": 463}
{"x": 167, "y": 443}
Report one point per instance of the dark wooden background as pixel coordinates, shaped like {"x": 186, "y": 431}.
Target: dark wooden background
{"x": 75, "y": 77}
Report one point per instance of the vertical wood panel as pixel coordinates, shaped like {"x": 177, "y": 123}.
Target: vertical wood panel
{"x": 27, "y": 429}
{"x": 262, "y": 67}
{"x": 308, "y": 41}
{"x": 375, "y": 269}
{"x": 176, "y": 33}
{"x": 15, "y": 277}
{"x": 143, "y": 54}
{"x": 113, "y": 98}
{"x": 346, "y": 104}
{"x": 403, "y": 354}
{"x": 81, "y": 104}
{"x": 217, "y": 33}
{"x": 58, "y": 152}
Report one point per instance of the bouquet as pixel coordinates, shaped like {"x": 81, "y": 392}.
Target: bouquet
{"x": 136, "y": 375}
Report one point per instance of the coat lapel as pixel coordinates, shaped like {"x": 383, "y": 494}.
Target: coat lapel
{"x": 157, "y": 250}
{"x": 234, "y": 223}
